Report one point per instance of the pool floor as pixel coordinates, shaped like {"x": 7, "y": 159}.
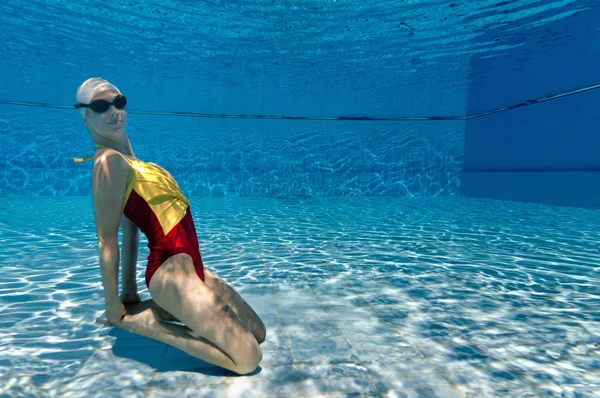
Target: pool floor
{"x": 396, "y": 297}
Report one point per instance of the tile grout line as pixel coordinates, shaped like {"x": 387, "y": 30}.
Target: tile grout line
{"x": 461, "y": 386}
{"x": 333, "y": 393}
{"x": 150, "y": 384}
{"x": 70, "y": 379}
{"x": 455, "y": 301}
{"x": 227, "y": 384}
{"x": 509, "y": 369}
{"x": 441, "y": 321}
{"x": 458, "y": 370}
{"x": 393, "y": 327}
{"x": 401, "y": 335}
{"x": 342, "y": 334}
{"x": 230, "y": 257}
{"x": 397, "y": 333}
{"x": 283, "y": 328}
{"x": 537, "y": 387}
{"x": 230, "y": 251}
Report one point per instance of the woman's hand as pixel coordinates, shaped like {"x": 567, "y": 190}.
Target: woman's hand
{"x": 115, "y": 311}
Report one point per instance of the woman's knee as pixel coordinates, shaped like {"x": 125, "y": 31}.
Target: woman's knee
{"x": 248, "y": 361}
{"x": 261, "y": 333}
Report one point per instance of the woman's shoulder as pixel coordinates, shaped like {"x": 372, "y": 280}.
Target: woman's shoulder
{"x": 107, "y": 161}
{"x": 103, "y": 155}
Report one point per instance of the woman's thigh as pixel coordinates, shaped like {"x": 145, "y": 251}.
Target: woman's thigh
{"x": 177, "y": 288}
{"x": 243, "y": 310}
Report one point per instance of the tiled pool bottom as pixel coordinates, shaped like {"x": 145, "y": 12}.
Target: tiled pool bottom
{"x": 435, "y": 297}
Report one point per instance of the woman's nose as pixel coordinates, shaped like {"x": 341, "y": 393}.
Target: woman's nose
{"x": 112, "y": 110}
{"x": 113, "y": 113}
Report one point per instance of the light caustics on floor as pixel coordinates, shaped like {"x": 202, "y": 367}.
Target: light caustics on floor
{"x": 432, "y": 297}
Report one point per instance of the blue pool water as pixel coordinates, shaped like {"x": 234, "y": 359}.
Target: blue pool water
{"x": 378, "y": 179}
{"x": 426, "y": 297}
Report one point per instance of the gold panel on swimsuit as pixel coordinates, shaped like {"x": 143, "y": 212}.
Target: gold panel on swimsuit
{"x": 157, "y": 187}
{"x": 160, "y": 190}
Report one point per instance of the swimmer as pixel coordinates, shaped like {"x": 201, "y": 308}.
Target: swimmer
{"x": 219, "y": 327}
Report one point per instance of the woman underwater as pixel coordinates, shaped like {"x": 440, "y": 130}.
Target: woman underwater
{"x": 220, "y": 327}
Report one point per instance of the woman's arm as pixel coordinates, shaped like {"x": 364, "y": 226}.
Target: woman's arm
{"x": 108, "y": 188}
{"x": 130, "y": 247}
{"x": 109, "y": 266}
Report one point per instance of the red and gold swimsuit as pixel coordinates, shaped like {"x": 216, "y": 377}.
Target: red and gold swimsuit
{"x": 155, "y": 203}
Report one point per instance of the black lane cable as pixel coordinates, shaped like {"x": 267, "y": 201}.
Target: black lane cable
{"x": 324, "y": 118}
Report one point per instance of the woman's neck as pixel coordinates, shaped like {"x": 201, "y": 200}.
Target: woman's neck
{"x": 123, "y": 147}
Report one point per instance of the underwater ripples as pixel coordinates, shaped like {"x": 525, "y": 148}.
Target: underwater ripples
{"x": 484, "y": 268}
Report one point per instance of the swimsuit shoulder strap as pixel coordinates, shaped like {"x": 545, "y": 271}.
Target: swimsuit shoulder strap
{"x": 80, "y": 160}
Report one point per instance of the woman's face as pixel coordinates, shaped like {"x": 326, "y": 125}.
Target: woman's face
{"x": 110, "y": 124}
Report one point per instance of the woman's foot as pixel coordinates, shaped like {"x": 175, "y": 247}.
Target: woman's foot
{"x": 163, "y": 313}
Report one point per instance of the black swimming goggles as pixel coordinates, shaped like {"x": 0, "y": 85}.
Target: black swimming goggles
{"x": 101, "y": 106}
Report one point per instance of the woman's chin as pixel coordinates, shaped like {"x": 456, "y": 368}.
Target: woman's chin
{"x": 114, "y": 134}
{"x": 115, "y": 128}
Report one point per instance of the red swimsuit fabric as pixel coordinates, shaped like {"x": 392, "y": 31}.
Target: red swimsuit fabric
{"x": 181, "y": 239}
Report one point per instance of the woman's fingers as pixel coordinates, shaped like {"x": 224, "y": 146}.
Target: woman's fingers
{"x": 103, "y": 322}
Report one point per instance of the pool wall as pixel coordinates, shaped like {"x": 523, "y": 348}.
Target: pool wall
{"x": 543, "y": 152}
{"x": 237, "y": 157}
{"x": 546, "y": 152}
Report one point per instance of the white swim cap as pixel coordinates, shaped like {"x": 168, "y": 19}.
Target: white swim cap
{"x": 90, "y": 88}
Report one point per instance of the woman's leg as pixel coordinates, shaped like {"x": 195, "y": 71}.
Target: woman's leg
{"x": 144, "y": 320}
{"x": 228, "y": 343}
{"x": 237, "y": 303}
